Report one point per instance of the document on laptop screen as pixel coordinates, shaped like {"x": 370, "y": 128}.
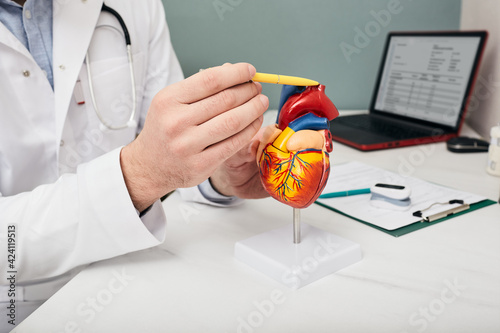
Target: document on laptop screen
{"x": 427, "y": 77}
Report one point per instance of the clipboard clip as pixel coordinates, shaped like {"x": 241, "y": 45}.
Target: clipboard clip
{"x": 431, "y": 218}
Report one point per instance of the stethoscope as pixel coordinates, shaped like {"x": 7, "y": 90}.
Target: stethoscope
{"x": 131, "y": 121}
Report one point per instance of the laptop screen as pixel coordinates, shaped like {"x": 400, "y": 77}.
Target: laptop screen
{"x": 427, "y": 77}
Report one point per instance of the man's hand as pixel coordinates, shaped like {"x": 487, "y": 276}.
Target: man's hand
{"x": 239, "y": 175}
{"x": 192, "y": 127}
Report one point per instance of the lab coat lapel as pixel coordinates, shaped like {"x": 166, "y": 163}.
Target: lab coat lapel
{"x": 8, "y": 39}
{"x": 73, "y": 26}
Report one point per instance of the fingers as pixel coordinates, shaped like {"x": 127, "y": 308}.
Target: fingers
{"x": 245, "y": 156}
{"x": 223, "y": 150}
{"x": 211, "y": 81}
{"x": 252, "y": 189}
{"x": 223, "y": 101}
{"x": 239, "y": 175}
{"x": 233, "y": 121}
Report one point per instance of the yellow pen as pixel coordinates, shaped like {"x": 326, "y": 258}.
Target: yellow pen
{"x": 283, "y": 79}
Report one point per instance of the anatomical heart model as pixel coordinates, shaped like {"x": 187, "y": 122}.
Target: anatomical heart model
{"x": 294, "y": 154}
{"x": 293, "y": 158}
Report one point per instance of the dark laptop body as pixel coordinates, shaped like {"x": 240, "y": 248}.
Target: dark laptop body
{"x": 422, "y": 91}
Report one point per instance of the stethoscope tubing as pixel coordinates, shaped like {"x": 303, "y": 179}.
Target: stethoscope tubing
{"x": 131, "y": 121}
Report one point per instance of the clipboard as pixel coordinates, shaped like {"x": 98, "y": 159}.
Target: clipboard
{"x": 417, "y": 225}
{"x": 430, "y": 203}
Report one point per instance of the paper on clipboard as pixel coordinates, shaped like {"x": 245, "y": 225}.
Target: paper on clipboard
{"x": 356, "y": 175}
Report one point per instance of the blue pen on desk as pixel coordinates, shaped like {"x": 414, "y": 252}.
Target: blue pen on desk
{"x": 344, "y": 193}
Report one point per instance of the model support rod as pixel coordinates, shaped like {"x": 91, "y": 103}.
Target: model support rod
{"x": 296, "y": 226}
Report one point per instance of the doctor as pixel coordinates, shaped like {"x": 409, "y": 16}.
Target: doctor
{"x": 76, "y": 191}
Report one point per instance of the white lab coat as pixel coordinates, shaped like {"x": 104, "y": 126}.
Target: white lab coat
{"x": 60, "y": 176}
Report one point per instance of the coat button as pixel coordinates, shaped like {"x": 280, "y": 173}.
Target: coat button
{"x": 27, "y": 13}
{"x": 61, "y": 143}
{"x": 26, "y": 73}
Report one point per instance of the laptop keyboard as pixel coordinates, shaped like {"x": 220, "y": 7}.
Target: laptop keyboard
{"x": 383, "y": 127}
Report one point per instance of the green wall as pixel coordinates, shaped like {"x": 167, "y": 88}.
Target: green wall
{"x": 301, "y": 38}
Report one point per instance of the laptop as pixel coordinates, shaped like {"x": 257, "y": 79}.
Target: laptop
{"x": 421, "y": 92}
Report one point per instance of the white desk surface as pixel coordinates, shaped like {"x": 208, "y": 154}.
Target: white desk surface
{"x": 444, "y": 278}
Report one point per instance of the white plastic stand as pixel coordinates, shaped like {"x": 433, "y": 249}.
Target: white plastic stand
{"x": 318, "y": 254}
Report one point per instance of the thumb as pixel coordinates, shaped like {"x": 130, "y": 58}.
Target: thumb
{"x": 243, "y": 156}
{"x": 252, "y": 148}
